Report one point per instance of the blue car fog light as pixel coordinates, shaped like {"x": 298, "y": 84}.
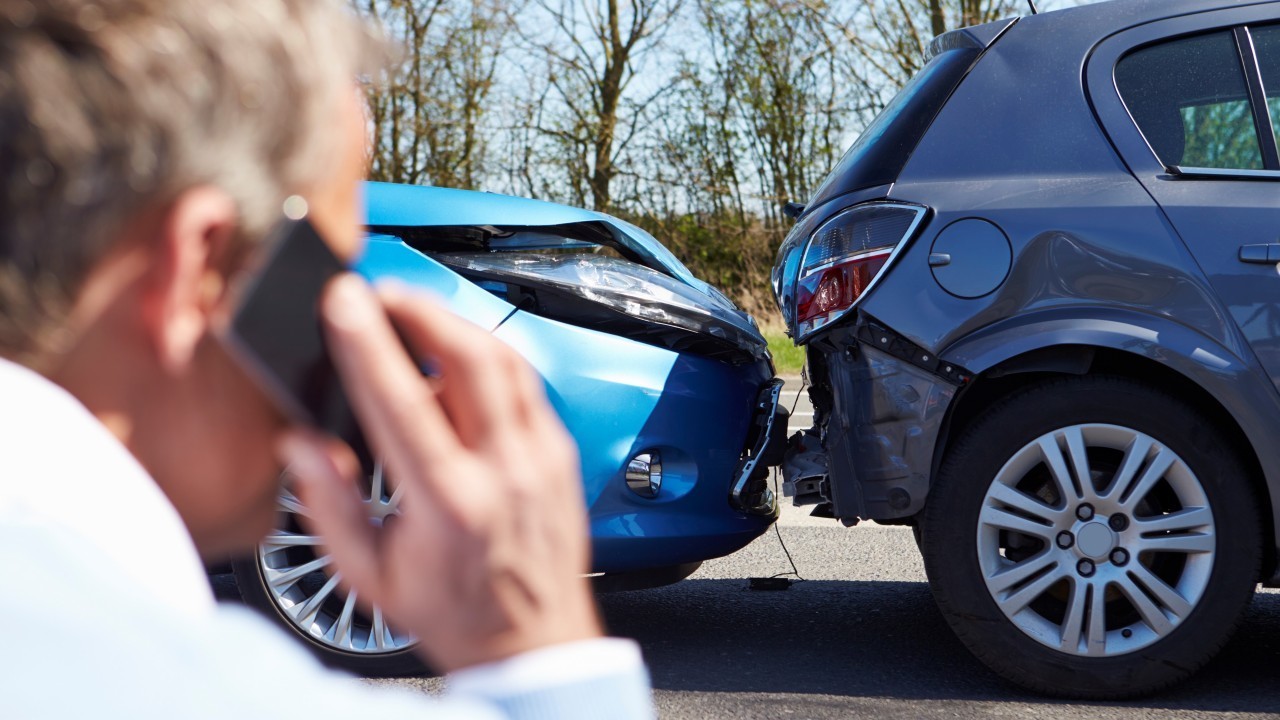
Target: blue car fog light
{"x": 644, "y": 474}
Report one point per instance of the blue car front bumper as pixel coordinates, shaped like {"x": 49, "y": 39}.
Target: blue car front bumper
{"x": 620, "y": 398}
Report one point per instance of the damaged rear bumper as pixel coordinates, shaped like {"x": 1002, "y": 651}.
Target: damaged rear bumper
{"x": 804, "y": 469}
{"x": 879, "y": 404}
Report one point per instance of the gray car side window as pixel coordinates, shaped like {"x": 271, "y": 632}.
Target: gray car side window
{"x": 1190, "y": 99}
{"x": 1266, "y": 43}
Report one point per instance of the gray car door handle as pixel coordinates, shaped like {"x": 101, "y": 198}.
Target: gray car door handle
{"x": 1266, "y": 254}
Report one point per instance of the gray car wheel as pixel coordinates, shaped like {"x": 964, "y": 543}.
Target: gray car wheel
{"x": 1099, "y": 551}
{"x": 1092, "y": 538}
{"x": 293, "y": 581}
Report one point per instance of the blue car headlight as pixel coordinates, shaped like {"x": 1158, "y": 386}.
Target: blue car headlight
{"x": 620, "y": 296}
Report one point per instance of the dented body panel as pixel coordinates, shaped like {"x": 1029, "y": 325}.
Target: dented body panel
{"x": 884, "y": 421}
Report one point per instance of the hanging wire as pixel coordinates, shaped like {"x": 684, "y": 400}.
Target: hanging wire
{"x": 804, "y": 383}
{"x": 781, "y": 543}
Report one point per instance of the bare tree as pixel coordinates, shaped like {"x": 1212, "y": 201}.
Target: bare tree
{"x": 697, "y": 119}
{"x": 397, "y": 101}
{"x": 891, "y": 37}
{"x": 593, "y": 54}
{"x": 428, "y": 116}
{"x": 780, "y": 68}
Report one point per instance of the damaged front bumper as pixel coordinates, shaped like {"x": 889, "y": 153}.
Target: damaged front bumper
{"x": 647, "y": 366}
{"x": 879, "y": 408}
{"x": 766, "y": 444}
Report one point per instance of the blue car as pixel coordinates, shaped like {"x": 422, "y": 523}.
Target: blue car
{"x": 667, "y": 387}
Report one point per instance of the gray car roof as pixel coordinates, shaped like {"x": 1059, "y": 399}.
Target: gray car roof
{"x": 1103, "y": 19}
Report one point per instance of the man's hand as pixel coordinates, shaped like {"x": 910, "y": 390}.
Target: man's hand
{"x": 487, "y": 557}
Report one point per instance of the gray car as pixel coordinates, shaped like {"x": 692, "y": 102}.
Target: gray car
{"x": 1041, "y": 304}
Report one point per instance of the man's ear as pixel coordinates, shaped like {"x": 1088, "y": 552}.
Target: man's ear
{"x": 185, "y": 280}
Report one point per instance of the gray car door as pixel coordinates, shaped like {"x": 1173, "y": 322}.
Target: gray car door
{"x": 1188, "y": 103}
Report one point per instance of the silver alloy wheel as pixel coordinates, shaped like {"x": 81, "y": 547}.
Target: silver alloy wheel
{"x": 1096, "y": 540}
{"x": 295, "y": 576}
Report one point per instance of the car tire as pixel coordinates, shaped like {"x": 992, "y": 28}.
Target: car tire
{"x": 288, "y": 579}
{"x": 254, "y": 592}
{"x": 1010, "y": 590}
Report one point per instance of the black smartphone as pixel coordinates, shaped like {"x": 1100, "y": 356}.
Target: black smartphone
{"x": 275, "y": 333}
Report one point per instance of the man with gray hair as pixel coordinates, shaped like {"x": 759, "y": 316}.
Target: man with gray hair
{"x": 146, "y": 148}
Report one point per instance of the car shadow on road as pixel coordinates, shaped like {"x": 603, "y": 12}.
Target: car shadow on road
{"x": 878, "y": 639}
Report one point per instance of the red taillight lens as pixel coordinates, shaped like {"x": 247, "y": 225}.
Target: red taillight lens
{"x": 844, "y": 257}
{"x": 825, "y": 295}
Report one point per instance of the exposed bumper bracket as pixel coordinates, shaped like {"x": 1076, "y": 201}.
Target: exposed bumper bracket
{"x": 751, "y": 492}
{"x": 804, "y": 471}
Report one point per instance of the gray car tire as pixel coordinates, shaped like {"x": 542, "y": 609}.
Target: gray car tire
{"x": 961, "y": 521}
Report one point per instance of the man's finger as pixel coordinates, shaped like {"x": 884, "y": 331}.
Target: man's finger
{"x": 478, "y": 388}
{"x": 325, "y": 473}
{"x": 397, "y": 410}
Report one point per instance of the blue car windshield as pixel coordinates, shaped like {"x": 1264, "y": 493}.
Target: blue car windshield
{"x": 882, "y": 150}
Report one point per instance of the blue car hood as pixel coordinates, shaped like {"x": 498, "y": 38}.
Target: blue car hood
{"x": 649, "y": 286}
{"x": 394, "y": 205}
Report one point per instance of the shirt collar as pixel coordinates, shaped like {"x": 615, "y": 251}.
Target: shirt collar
{"x": 62, "y": 469}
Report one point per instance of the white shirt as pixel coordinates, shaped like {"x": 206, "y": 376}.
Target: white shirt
{"x": 105, "y": 610}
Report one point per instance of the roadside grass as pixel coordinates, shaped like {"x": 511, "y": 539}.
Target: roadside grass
{"x": 787, "y": 358}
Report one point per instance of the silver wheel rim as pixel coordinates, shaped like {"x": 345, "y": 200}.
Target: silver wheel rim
{"x": 304, "y": 586}
{"x": 1096, "y": 540}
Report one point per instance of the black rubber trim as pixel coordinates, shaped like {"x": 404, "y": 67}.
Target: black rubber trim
{"x": 888, "y": 341}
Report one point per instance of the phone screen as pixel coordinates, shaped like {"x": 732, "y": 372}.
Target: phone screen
{"x": 275, "y": 330}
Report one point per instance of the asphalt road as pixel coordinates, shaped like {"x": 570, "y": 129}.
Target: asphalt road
{"x": 860, "y": 637}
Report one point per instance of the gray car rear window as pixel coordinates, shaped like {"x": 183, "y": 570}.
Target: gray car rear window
{"x": 881, "y": 151}
{"x": 1190, "y": 99}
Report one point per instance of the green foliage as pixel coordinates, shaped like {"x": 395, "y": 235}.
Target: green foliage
{"x": 733, "y": 252}
{"x": 787, "y": 358}
{"x": 1221, "y": 135}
